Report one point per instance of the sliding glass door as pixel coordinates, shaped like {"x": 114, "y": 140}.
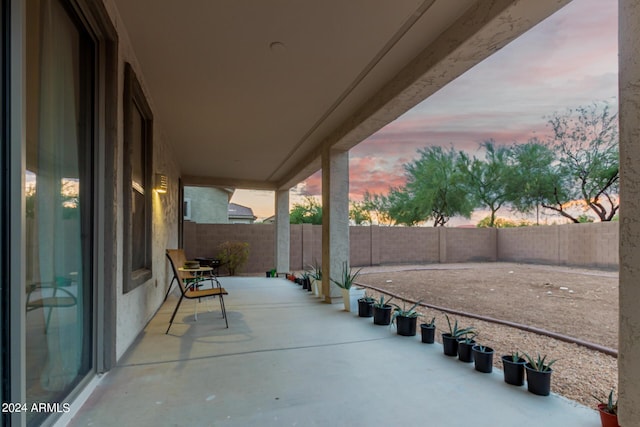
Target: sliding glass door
{"x": 59, "y": 206}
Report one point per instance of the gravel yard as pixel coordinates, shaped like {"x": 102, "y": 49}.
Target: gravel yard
{"x": 579, "y": 303}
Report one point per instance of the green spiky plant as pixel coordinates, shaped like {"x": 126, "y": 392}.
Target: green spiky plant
{"x": 539, "y": 363}
{"x": 431, "y": 323}
{"x": 457, "y": 332}
{"x": 611, "y": 403}
{"x": 381, "y": 302}
{"x": 397, "y": 311}
{"x": 367, "y": 298}
{"x": 348, "y": 277}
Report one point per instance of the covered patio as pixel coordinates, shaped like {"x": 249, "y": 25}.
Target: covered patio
{"x": 288, "y": 359}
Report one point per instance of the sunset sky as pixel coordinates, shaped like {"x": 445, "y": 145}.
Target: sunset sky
{"x": 570, "y": 59}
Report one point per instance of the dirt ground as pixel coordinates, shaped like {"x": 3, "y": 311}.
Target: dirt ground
{"x": 576, "y": 302}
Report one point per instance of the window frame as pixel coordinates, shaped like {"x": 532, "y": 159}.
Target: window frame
{"x": 135, "y": 101}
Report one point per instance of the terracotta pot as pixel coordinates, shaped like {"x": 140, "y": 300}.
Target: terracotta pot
{"x": 607, "y": 419}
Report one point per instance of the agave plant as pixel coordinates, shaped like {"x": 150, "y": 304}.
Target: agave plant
{"x": 540, "y": 363}
{"x": 611, "y": 404}
{"x": 431, "y": 323}
{"x": 515, "y": 357}
{"x": 381, "y": 302}
{"x": 397, "y": 311}
{"x": 315, "y": 271}
{"x": 457, "y": 332}
{"x": 367, "y": 298}
{"x": 348, "y": 277}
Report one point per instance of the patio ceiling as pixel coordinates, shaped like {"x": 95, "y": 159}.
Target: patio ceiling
{"x": 249, "y": 93}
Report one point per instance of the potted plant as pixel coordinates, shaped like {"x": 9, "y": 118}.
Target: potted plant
{"x": 382, "y": 311}
{"x": 450, "y": 339}
{"x": 465, "y": 343}
{"x": 406, "y": 320}
{"x": 483, "y": 358}
{"x": 608, "y": 410}
{"x": 345, "y": 283}
{"x": 428, "y": 331}
{"x": 365, "y": 306}
{"x": 513, "y": 365}
{"x": 539, "y": 374}
{"x": 315, "y": 273}
{"x": 306, "y": 282}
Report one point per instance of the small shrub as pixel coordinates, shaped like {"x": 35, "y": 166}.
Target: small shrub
{"x": 233, "y": 255}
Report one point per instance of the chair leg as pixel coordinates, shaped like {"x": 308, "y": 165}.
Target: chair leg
{"x": 224, "y": 311}
{"x": 169, "y": 290}
{"x": 174, "y": 313}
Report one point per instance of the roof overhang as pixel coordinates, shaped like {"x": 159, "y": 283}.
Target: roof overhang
{"x": 250, "y": 94}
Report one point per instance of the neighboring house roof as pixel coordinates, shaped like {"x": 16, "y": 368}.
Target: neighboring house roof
{"x": 240, "y": 212}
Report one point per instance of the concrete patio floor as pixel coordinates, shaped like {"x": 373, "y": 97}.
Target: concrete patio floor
{"x": 289, "y": 360}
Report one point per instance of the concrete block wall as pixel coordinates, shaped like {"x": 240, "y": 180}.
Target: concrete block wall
{"x": 469, "y": 244}
{"x": 209, "y": 236}
{"x": 588, "y": 245}
{"x": 398, "y": 245}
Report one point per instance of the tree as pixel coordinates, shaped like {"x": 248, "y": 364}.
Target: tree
{"x": 359, "y": 214}
{"x": 433, "y": 190}
{"x": 308, "y": 212}
{"x": 377, "y": 205}
{"x": 534, "y": 180}
{"x": 486, "y": 181}
{"x": 586, "y": 144}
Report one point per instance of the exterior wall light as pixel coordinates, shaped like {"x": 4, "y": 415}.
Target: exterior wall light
{"x": 161, "y": 183}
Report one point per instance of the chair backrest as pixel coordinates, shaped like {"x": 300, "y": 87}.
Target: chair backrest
{"x": 177, "y": 259}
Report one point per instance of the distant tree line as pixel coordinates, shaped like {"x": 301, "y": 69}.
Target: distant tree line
{"x": 578, "y": 164}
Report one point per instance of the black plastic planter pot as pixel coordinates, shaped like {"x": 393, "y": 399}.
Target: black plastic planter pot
{"x": 428, "y": 333}
{"x": 406, "y": 326}
{"x": 449, "y": 345}
{"x": 483, "y": 359}
{"x": 538, "y": 382}
{"x": 365, "y": 308}
{"x": 464, "y": 351}
{"x": 307, "y": 283}
{"x": 513, "y": 371}
{"x": 382, "y": 315}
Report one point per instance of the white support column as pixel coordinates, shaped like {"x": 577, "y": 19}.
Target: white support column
{"x": 335, "y": 219}
{"x": 282, "y": 231}
{"x": 629, "y": 290}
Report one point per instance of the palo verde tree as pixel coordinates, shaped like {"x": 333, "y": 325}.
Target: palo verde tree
{"x": 585, "y": 141}
{"x": 307, "y": 212}
{"x": 433, "y": 191}
{"x": 534, "y": 179}
{"x": 377, "y": 206}
{"x": 486, "y": 180}
{"x": 359, "y": 214}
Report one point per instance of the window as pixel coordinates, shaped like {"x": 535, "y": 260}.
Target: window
{"x": 186, "y": 207}
{"x": 138, "y": 188}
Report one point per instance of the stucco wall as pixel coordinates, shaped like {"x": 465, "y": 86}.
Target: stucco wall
{"x": 135, "y": 308}
{"x": 209, "y": 205}
{"x": 589, "y": 245}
